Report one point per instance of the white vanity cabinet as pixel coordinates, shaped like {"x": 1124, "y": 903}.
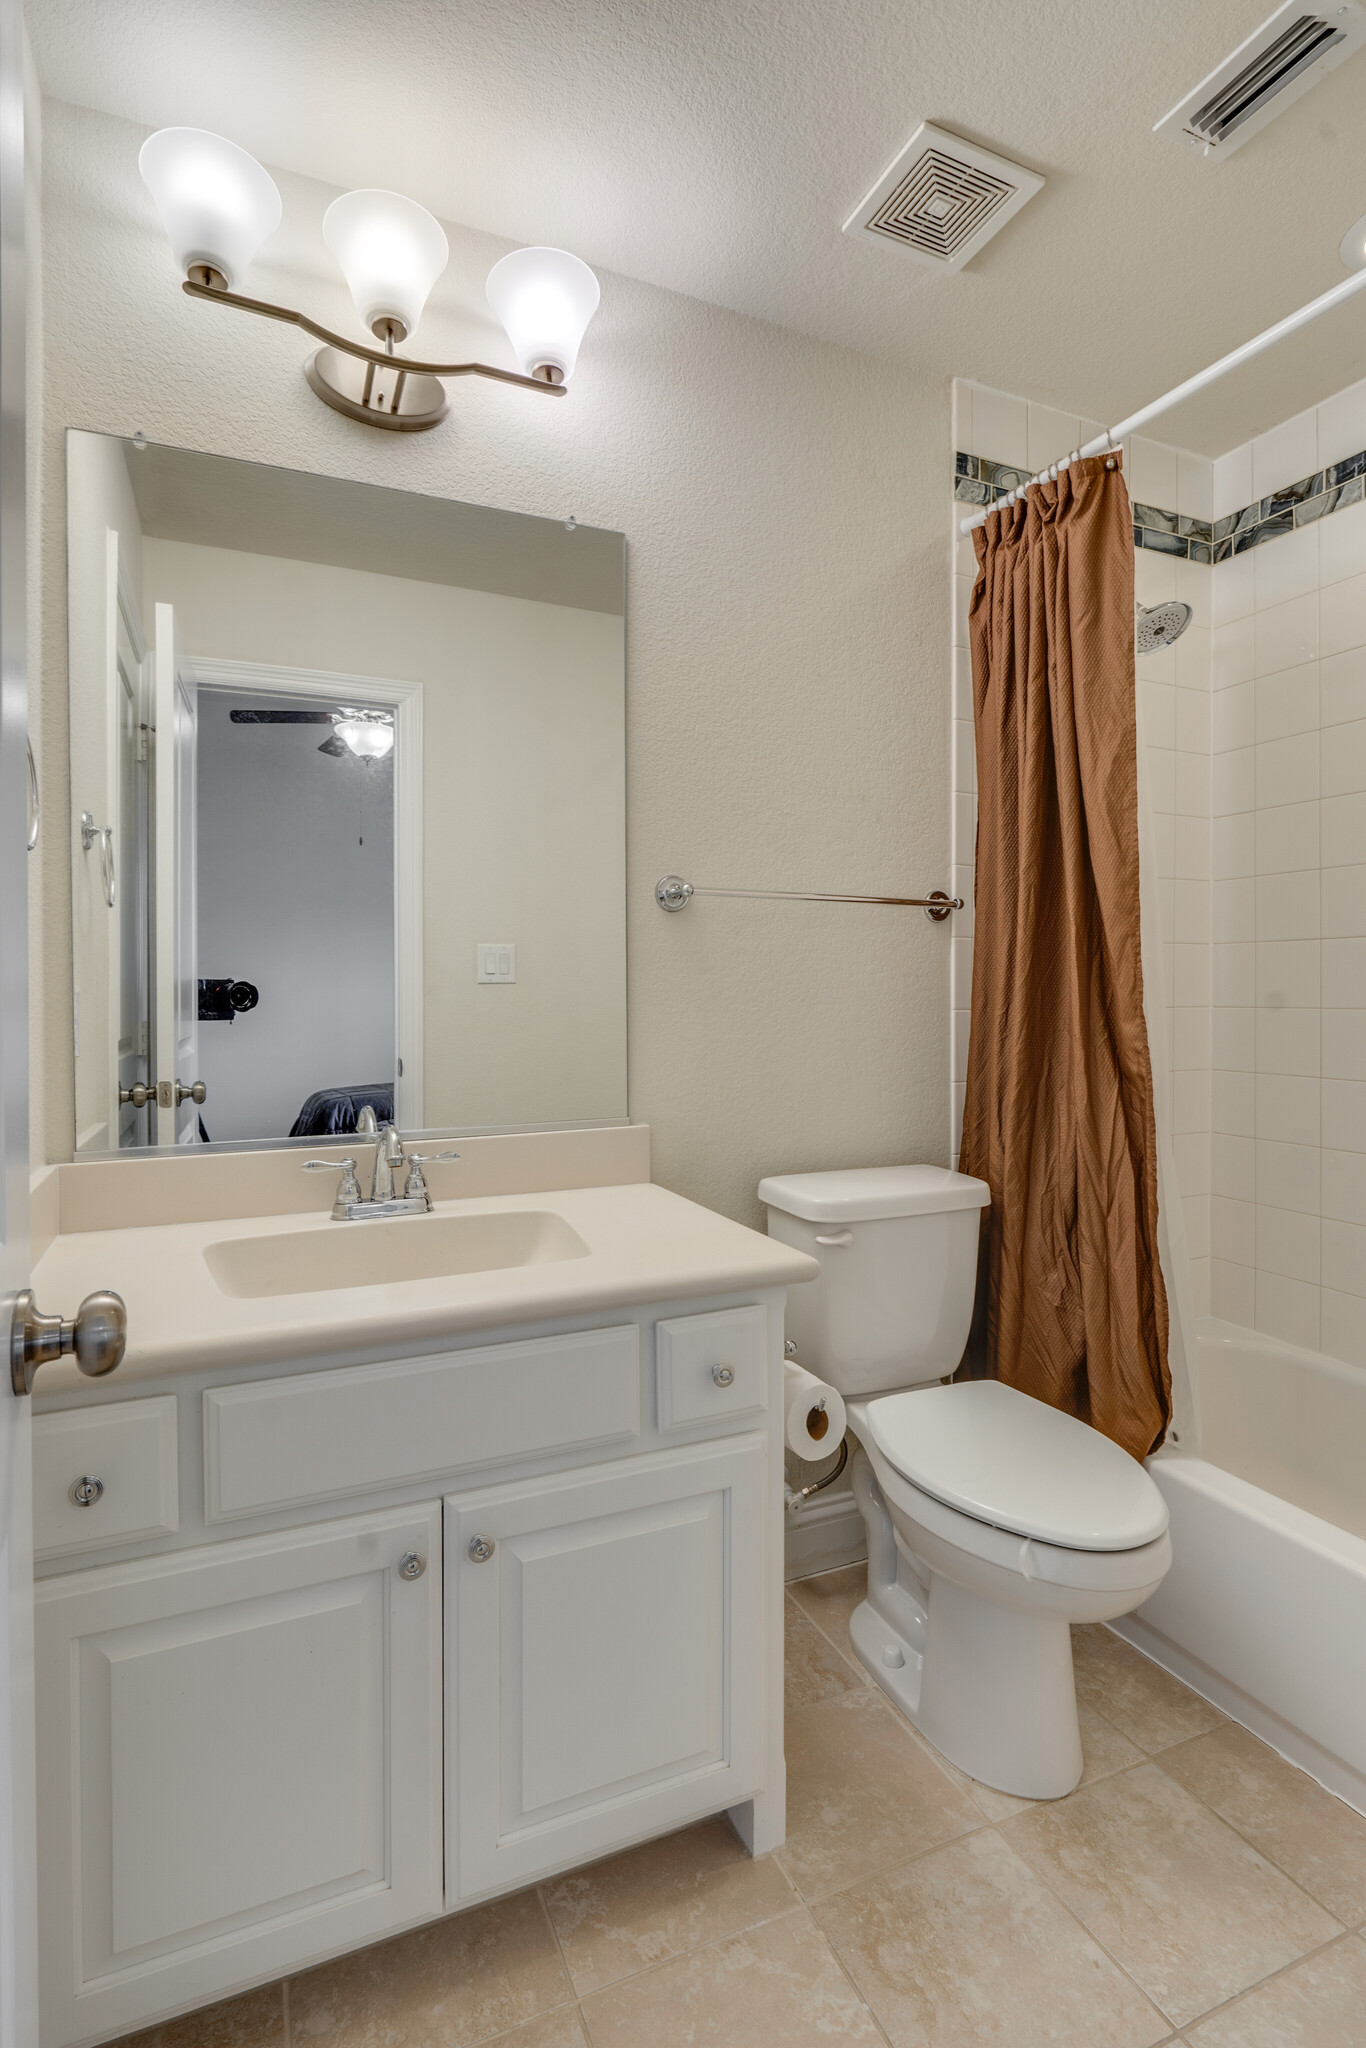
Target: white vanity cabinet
{"x": 239, "y": 1762}
{"x": 419, "y": 1632}
{"x": 604, "y": 1658}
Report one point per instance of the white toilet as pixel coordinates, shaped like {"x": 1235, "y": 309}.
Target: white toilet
{"x": 994, "y": 1521}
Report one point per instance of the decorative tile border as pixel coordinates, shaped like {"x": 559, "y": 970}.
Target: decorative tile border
{"x": 1313, "y": 497}
{"x": 977, "y": 481}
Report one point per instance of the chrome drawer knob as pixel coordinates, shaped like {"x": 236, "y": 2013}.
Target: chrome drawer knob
{"x": 724, "y": 1375}
{"x": 85, "y": 1491}
{"x": 411, "y": 1565}
{"x": 481, "y": 1549}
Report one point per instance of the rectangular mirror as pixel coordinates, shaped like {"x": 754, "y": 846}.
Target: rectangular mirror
{"x": 348, "y": 806}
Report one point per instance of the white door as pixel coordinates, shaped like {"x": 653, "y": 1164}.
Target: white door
{"x": 177, "y": 907}
{"x": 239, "y": 1764}
{"x": 604, "y": 1640}
{"x": 123, "y": 872}
{"x": 18, "y": 1988}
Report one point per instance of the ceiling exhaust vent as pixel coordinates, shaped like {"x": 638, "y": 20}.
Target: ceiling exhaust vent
{"x": 942, "y": 199}
{"x": 1275, "y": 66}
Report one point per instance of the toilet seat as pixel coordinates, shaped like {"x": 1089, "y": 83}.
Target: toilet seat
{"x": 987, "y": 1452}
{"x": 934, "y": 1530}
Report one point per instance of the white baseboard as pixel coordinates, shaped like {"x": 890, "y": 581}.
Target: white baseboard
{"x": 827, "y": 1533}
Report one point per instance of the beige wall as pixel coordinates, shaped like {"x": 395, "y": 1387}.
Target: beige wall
{"x": 522, "y": 781}
{"x": 787, "y": 695}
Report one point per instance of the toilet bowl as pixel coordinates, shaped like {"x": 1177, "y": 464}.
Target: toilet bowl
{"x": 994, "y": 1521}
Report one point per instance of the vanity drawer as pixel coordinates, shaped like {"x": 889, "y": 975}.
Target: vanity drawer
{"x": 321, "y": 1435}
{"x": 129, "y": 1449}
{"x": 693, "y": 1355}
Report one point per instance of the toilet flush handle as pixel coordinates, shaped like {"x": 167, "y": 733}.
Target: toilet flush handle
{"x": 836, "y": 1237}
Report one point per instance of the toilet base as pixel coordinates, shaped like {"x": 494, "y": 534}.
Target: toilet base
{"x": 993, "y": 1690}
{"x": 989, "y": 1684}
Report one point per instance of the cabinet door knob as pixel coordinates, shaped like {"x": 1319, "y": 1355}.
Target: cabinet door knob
{"x": 724, "y": 1375}
{"x": 481, "y": 1549}
{"x": 411, "y": 1565}
{"x": 86, "y": 1490}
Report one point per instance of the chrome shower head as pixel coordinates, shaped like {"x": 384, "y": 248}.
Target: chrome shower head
{"x": 1158, "y": 625}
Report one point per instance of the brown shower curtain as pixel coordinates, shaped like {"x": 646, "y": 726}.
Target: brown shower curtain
{"x": 1059, "y": 1114}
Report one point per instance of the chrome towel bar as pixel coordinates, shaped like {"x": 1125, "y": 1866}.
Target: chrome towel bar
{"x": 673, "y": 893}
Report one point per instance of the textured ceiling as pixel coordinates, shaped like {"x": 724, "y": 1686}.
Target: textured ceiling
{"x": 715, "y": 146}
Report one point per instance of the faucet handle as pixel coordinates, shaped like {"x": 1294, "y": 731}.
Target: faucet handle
{"x": 349, "y": 1190}
{"x": 415, "y": 1184}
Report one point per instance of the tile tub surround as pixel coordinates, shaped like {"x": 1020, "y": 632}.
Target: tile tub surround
{"x": 1288, "y": 906}
{"x": 1255, "y": 729}
{"x": 1194, "y": 1888}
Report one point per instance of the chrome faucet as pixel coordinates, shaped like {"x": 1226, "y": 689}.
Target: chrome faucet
{"x": 384, "y": 1199}
{"x": 388, "y": 1155}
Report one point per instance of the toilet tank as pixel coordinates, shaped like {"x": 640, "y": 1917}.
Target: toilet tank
{"x": 897, "y": 1247}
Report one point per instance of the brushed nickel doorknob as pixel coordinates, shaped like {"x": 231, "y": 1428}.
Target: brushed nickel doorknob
{"x": 194, "y": 1092}
{"x": 97, "y": 1334}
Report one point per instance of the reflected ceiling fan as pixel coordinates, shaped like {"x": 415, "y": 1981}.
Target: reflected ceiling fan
{"x": 358, "y": 731}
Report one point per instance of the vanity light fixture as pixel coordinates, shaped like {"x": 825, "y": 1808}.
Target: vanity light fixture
{"x": 218, "y": 206}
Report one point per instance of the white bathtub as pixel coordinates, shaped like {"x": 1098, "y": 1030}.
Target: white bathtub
{"x": 1264, "y": 1609}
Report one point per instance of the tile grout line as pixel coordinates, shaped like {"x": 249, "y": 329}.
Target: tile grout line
{"x": 492, "y": 2040}
{"x": 865, "y": 1678}
{"x": 796, "y": 1902}
{"x": 1148, "y": 1757}
{"x": 1094, "y": 1938}
{"x": 1344, "y": 1933}
{"x": 284, "y": 2000}
{"x": 733, "y": 1934}
{"x": 994, "y": 1827}
{"x": 573, "y": 1998}
{"x": 1282, "y": 1969}
{"x": 1289, "y": 1876}
{"x": 799, "y": 1905}
{"x": 848, "y": 1976}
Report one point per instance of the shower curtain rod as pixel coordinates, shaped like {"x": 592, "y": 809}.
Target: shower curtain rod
{"x": 1111, "y": 438}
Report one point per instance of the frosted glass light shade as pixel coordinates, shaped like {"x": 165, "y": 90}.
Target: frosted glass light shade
{"x": 367, "y": 737}
{"x": 391, "y": 253}
{"x": 545, "y": 299}
{"x": 216, "y": 203}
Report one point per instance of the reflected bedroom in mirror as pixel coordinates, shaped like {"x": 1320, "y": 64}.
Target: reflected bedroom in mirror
{"x": 347, "y": 802}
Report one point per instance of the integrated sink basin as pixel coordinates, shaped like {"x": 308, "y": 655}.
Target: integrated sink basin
{"x": 383, "y": 1254}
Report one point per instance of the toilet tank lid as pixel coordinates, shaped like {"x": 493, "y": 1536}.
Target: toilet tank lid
{"x": 862, "y": 1192}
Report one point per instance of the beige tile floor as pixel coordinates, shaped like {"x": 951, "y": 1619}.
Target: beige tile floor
{"x": 1195, "y": 1889}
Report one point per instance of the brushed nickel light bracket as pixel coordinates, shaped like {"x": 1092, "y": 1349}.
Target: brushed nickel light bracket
{"x": 218, "y": 206}
{"x": 373, "y": 385}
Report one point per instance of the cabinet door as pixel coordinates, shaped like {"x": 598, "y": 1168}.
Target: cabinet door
{"x": 606, "y": 1659}
{"x": 239, "y": 1764}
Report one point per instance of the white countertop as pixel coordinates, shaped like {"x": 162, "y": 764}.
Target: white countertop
{"x": 644, "y": 1244}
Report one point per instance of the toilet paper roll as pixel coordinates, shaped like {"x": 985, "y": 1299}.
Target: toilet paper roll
{"x": 814, "y": 1413}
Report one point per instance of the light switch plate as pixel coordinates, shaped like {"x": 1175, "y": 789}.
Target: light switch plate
{"x": 497, "y": 962}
